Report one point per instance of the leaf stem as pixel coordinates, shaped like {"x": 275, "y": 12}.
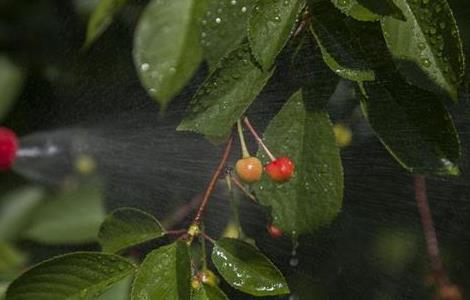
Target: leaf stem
{"x": 245, "y": 153}
{"x": 205, "y": 236}
{"x": 202, "y": 241}
{"x": 258, "y": 139}
{"x": 213, "y": 181}
{"x": 429, "y": 231}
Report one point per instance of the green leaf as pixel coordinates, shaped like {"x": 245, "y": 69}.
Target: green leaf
{"x": 270, "y": 25}
{"x": 223, "y": 28}
{"x": 72, "y": 216}
{"x": 427, "y": 46}
{"x": 11, "y": 259}
{"x": 414, "y": 126}
{"x": 11, "y": 82}
{"x": 166, "y": 46}
{"x": 246, "y": 269}
{"x": 208, "y": 292}
{"x": 340, "y": 49}
{"x": 313, "y": 197}
{"x": 225, "y": 95}
{"x": 126, "y": 227}
{"x": 382, "y": 7}
{"x": 101, "y": 18}
{"x": 80, "y": 275}
{"x": 15, "y": 210}
{"x": 354, "y": 9}
{"x": 165, "y": 274}
{"x": 119, "y": 291}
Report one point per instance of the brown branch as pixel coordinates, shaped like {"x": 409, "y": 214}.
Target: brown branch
{"x": 429, "y": 231}
{"x": 212, "y": 183}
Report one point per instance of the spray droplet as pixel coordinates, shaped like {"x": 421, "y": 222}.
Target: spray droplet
{"x": 426, "y": 62}
{"x": 145, "y": 67}
{"x": 218, "y": 20}
{"x": 244, "y": 9}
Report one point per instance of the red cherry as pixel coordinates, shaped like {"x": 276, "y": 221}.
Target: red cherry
{"x": 274, "y": 232}
{"x": 8, "y": 148}
{"x": 249, "y": 169}
{"x": 281, "y": 169}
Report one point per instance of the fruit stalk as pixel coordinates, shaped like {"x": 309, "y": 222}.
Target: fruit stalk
{"x": 258, "y": 139}
{"x": 245, "y": 153}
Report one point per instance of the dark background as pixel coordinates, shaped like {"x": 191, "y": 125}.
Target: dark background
{"x": 374, "y": 250}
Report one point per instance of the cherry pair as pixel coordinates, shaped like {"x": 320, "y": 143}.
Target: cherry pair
{"x": 249, "y": 168}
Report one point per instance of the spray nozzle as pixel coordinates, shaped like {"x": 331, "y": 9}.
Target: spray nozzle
{"x": 8, "y": 148}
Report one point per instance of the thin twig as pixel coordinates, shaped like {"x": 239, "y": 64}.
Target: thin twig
{"x": 212, "y": 183}
{"x": 257, "y": 138}
{"x": 242, "y": 188}
{"x": 430, "y": 236}
{"x": 176, "y": 232}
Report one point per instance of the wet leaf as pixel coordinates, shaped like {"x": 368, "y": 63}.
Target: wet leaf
{"x": 245, "y": 268}
{"x": 166, "y": 46}
{"x": 223, "y": 28}
{"x": 313, "y": 197}
{"x": 414, "y": 126}
{"x": 225, "y": 95}
{"x": 11, "y": 82}
{"x": 382, "y": 7}
{"x": 126, "y": 227}
{"x": 427, "y": 46}
{"x": 271, "y": 24}
{"x": 16, "y": 208}
{"x": 354, "y": 9}
{"x": 340, "y": 49}
{"x": 119, "y": 291}
{"x": 101, "y": 18}
{"x": 208, "y": 292}
{"x": 165, "y": 274}
{"x": 72, "y": 216}
{"x": 80, "y": 275}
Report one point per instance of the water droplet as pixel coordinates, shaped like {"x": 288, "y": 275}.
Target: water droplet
{"x": 244, "y": 9}
{"x": 203, "y": 34}
{"x": 218, "y": 20}
{"x": 421, "y": 46}
{"x": 277, "y": 19}
{"x": 286, "y": 2}
{"x": 425, "y": 62}
{"x": 343, "y": 2}
{"x": 294, "y": 262}
{"x": 145, "y": 67}
{"x": 233, "y": 2}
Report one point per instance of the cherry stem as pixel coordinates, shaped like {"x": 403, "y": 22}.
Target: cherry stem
{"x": 429, "y": 231}
{"x": 213, "y": 181}
{"x": 258, "y": 139}
{"x": 242, "y": 188}
{"x": 245, "y": 153}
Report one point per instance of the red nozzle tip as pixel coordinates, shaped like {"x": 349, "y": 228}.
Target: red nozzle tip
{"x": 8, "y": 148}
